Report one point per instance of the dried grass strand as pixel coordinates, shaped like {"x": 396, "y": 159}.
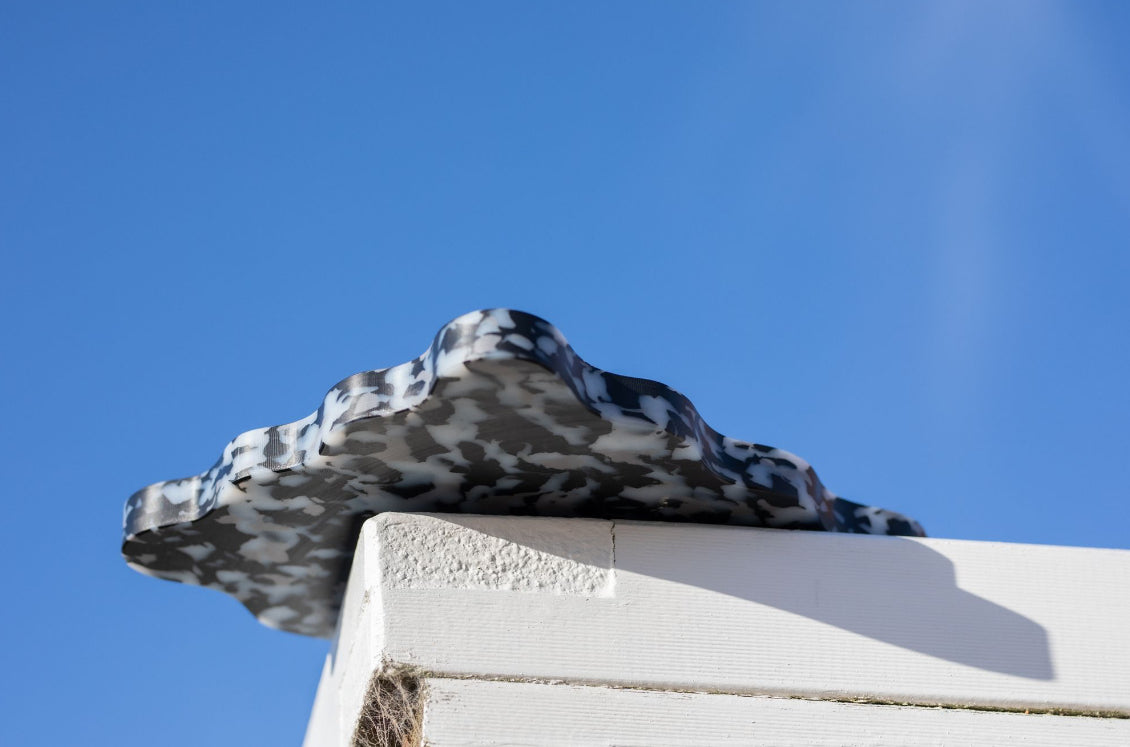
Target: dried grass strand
{"x": 393, "y": 713}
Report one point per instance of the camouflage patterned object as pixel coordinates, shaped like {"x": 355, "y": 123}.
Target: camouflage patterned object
{"x": 499, "y": 416}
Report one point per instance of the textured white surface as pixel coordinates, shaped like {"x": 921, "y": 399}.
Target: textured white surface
{"x": 573, "y": 557}
{"x": 506, "y": 713}
{"x": 733, "y": 610}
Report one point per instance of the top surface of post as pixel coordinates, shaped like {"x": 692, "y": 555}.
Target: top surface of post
{"x": 499, "y": 416}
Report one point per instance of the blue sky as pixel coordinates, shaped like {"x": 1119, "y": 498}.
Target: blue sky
{"x": 889, "y": 237}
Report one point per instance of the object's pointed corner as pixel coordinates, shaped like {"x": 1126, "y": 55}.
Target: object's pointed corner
{"x": 860, "y": 519}
{"x": 900, "y": 525}
{"x": 161, "y": 504}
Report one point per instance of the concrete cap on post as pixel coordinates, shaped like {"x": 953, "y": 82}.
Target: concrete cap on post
{"x": 542, "y": 631}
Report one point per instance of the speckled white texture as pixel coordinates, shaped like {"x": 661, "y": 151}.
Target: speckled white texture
{"x": 534, "y": 557}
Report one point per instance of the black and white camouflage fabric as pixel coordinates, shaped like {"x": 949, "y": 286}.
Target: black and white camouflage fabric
{"x": 499, "y": 416}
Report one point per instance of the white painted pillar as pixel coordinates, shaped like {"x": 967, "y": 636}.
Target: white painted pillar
{"x": 573, "y": 632}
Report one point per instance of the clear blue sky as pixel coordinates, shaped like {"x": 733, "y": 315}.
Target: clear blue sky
{"x": 893, "y": 238}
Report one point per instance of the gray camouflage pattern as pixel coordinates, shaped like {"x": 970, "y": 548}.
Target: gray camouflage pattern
{"x": 499, "y": 416}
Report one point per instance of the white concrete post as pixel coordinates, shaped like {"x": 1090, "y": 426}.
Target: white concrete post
{"x": 510, "y": 630}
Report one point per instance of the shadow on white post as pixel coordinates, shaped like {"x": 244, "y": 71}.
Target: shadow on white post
{"x": 466, "y": 630}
